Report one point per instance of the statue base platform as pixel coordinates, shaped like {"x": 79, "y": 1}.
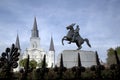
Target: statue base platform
{"x": 70, "y": 58}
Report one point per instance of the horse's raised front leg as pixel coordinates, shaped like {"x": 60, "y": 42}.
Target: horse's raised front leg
{"x": 64, "y": 38}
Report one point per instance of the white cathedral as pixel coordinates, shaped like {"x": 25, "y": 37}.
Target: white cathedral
{"x": 35, "y": 51}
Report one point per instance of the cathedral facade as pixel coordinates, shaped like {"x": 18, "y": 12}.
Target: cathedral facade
{"x": 35, "y": 51}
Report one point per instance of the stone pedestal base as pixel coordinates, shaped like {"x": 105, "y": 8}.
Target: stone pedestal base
{"x": 70, "y": 58}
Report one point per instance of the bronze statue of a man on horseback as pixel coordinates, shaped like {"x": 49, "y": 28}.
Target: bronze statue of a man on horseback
{"x": 73, "y": 36}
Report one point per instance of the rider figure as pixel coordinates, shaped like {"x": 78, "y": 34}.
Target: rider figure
{"x": 76, "y": 33}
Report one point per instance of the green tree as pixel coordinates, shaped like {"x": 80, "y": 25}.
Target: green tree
{"x": 118, "y": 50}
{"x": 111, "y": 56}
{"x": 23, "y": 62}
{"x": 41, "y": 63}
{"x": 32, "y": 63}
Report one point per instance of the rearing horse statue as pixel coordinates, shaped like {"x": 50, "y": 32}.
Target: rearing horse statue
{"x": 74, "y": 37}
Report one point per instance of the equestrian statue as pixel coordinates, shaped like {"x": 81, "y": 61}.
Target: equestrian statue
{"x": 73, "y": 36}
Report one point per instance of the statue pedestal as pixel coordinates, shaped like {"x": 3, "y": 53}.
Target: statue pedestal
{"x": 70, "y": 58}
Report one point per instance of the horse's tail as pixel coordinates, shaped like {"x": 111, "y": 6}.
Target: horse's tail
{"x": 87, "y": 41}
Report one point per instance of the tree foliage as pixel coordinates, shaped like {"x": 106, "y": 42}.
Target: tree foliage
{"x": 111, "y": 56}
{"x": 41, "y": 63}
{"x": 23, "y": 62}
{"x": 32, "y": 63}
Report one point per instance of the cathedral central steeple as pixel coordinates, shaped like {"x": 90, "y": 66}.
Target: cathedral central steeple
{"x": 35, "y": 32}
{"x": 35, "y": 40}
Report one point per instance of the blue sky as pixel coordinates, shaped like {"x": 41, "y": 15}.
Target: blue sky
{"x": 99, "y": 21}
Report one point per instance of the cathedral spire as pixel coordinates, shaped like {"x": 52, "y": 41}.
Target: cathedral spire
{"x": 35, "y": 32}
{"x": 51, "y": 45}
{"x": 17, "y": 42}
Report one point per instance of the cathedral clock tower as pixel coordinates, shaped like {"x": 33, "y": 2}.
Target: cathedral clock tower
{"x": 35, "y": 40}
{"x": 35, "y": 51}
